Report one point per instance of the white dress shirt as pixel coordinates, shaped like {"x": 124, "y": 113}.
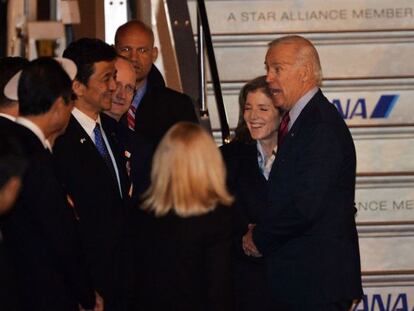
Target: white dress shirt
{"x": 7, "y": 116}
{"x": 88, "y": 124}
{"x": 298, "y": 107}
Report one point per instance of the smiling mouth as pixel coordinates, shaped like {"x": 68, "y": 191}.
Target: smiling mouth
{"x": 255, "y": 126}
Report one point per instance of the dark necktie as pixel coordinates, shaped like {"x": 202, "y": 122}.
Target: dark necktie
{"x": 100, "y": 145}
{"x": 131, "y": 117}
{"x": 283, "y": 129}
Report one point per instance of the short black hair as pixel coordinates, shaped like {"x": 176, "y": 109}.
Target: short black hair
{"x": 9, "y": 66}
{"x": 12, "y": 159}
{"x": 42, "y": 81}
{"x": 85, "y": 53}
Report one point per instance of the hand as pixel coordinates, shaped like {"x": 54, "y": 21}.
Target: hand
{"x": 249, "y": 247}
{"x": 99, "y": 304}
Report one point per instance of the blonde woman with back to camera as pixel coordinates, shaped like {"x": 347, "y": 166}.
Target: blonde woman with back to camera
{"x": 183, "y": 249}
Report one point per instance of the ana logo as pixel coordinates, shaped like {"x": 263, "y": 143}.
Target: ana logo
{"x": 384, "y": 302}
{"x": 350, "y": 109}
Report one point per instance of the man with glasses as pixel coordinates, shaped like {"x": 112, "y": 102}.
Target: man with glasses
{"x": 155, "y": 108}
{"x": 136, "y": 147}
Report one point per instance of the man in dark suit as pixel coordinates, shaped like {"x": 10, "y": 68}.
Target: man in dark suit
{"x": 12, "y": 166}
{"x": 137, "y": 149}
{"x": 9, "y": 109}
{"x": 40, "y": 232}
{"x": 155, "y": 107}
{"x": 307, "y": 233}
{"x": 92, "y": 167}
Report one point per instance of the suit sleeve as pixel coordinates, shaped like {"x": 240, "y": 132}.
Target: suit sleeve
{"x": 56, "y": 220}
{"x": 304, "y": 203}
{"x": 184, "y": 109}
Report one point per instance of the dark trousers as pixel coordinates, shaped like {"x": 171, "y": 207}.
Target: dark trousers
{"x": 338, "y": 306}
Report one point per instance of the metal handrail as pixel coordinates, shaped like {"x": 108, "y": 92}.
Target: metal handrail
{"x": 205, "y": 37}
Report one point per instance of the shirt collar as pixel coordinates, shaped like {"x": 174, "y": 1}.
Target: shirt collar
{"x": 265, "y": 164}
{"x": 260, "y": 150}
{"x": 301, "y": 103}
{"x": 35, "y": 130}
{"x": 87, "y": 123}
{"x": 139, "y": 94}
{"x": 7, "y": 116}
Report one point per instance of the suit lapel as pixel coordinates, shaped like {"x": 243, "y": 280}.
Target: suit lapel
{"x": 81, "y": 140}
{"x": 295, "y": 131}
{"x": 117, "y": 153}
{"x": 250, "y": 165}
{"x": 85, "y": 149}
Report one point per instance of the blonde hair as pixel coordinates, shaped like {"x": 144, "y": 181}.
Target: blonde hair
{"x": 188, "y": 174}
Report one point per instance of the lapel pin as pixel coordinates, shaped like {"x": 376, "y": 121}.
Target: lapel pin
{"x": 82, "y": 140}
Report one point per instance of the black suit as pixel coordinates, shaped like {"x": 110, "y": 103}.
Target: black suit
{"x": 249, "y": 188}
{"x": 5, "y": 123}
{"x": 160, "y": 108}
{"x": 8, "y": 294}
{"x": 308, "y": 234}
{"x": 41, "y": 236}
{"x": 140, "y": 152}
{"x": 98, "y": 204}
{"x": 183, "y": 263}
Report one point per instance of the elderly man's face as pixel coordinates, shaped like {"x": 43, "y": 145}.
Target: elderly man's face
{"x": 125, "y": 88}
{"x": 285, "y": 75}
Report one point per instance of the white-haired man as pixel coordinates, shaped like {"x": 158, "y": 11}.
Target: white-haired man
{"x": 308, "y": 234}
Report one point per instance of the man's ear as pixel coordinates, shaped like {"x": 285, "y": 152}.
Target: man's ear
{"x": 78, "y": 88}
{"x": 154, "y": 54}
{"x": 57, "y": 104}
{"x": 306, "y": 72}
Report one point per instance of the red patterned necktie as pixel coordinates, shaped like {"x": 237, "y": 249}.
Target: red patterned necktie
{"x": 283, "y": 129}
{"x": 131, "y": 117}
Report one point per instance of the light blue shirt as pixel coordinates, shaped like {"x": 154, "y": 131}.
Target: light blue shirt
{"x": 265, "y": 163}
{"x": 139, "y": 94}
{"x": 301, "y": 103}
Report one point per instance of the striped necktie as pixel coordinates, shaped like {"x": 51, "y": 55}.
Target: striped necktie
{"x": 283, "y": 129}
{"x": 131, "y": 117}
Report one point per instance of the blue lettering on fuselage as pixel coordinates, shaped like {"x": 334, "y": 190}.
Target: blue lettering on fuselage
{"x": 350, "y": 109}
